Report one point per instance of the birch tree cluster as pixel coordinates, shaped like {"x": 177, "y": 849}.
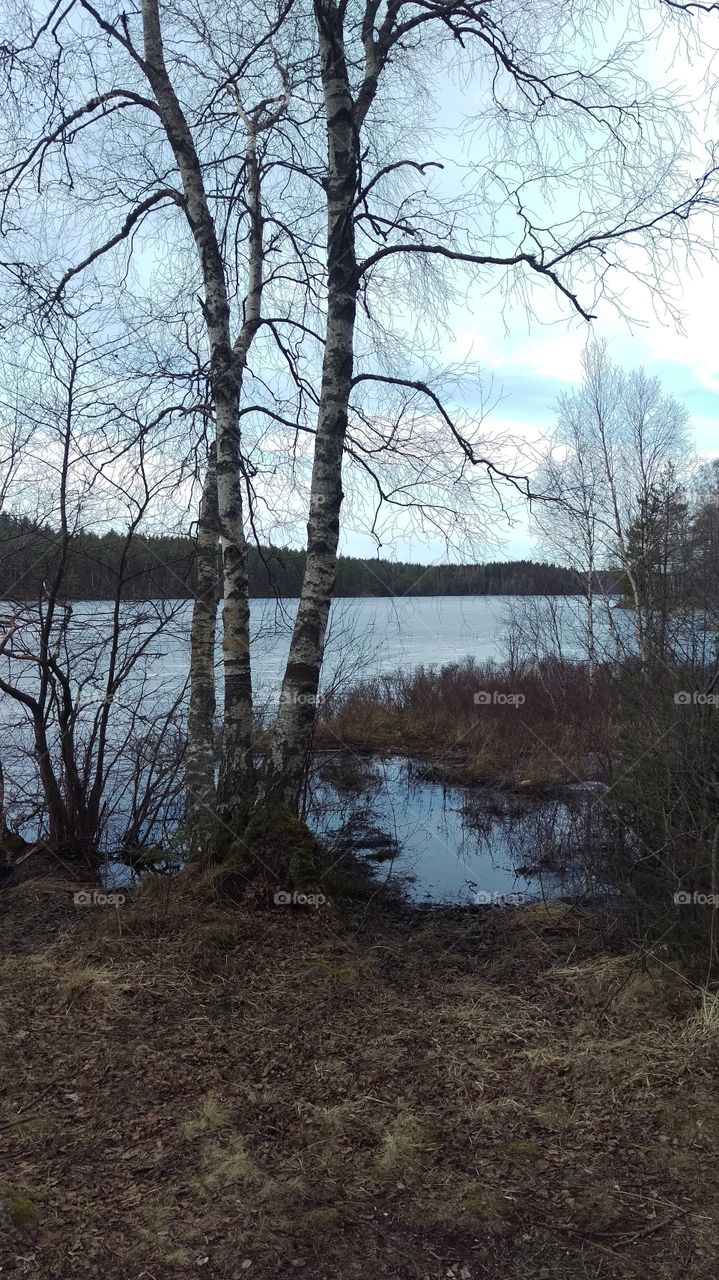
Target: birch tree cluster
{"x": 266, "y": 217}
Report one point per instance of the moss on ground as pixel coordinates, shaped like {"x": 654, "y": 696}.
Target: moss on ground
{"x": 17, "y": 1212}
{"x": 282, "y": 843}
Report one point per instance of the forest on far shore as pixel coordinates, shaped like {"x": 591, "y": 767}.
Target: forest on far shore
{"x": 163, "y": 566}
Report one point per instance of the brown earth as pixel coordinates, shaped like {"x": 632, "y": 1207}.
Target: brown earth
{"x": 269, "y": 1092}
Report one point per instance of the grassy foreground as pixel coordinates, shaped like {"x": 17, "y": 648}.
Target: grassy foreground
{"x": 266, "y": 1092}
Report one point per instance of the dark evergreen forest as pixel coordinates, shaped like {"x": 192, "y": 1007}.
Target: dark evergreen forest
{"x": 163, "y": 566}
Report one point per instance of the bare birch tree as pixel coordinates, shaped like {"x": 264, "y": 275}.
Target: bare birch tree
{"x": 201, "y": 793}
{"x": 569, "y": 476}
{"x": 542, "y": 98}
{"x": 613, "y": 467}
{"x": 177, "y": 143}
{"x": 358, "y": 238}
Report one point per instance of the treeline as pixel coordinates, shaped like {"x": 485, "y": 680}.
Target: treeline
{"x": 500, "y": 578}
{"x": 163, "y": 566}
{"x": 151, "y": 567}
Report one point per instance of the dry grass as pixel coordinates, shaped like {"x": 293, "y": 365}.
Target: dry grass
{"x": 404, "y": 1142}
{"x": 93, "y": 985}
{"x": 227, "y": 1166}
{"x": 558, "y": 733}
{"x": 478, "y": 1097}
{"x": 212, "y": 1117}
{"x": 705, "y": 1023}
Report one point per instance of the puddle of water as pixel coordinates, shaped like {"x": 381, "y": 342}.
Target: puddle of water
{"x": 443, "y": 844}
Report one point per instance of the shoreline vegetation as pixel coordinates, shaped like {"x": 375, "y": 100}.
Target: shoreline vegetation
{"x": 478, "y": 723}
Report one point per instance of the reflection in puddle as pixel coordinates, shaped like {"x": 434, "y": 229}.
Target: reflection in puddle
{"x": 451, "y": 844}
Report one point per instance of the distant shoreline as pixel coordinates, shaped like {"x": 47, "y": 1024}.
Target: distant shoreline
{"x": 162, "y": 567}
{"x": 9, "y": 600}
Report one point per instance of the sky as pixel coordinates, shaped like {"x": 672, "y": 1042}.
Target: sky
{"x": 528, "y": 358}
{"x": 527, "y": 361}
{"x": 529, "y": 371}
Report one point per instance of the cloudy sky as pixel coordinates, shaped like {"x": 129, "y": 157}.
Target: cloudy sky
{"x": 528, "y": 360}
{"x": 530, "y": 369}
{"x": 527, "y": 356}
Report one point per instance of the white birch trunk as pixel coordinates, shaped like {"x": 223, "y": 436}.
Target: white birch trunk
{"x": 293, "y": 731}
{"x": 236, "y": 767}
{"x": 237, "y": 772}
{"x": 201, "y": 791}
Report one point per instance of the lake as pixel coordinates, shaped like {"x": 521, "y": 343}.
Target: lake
{"x": 375, "y": 636}
{"x": 366, "y": 636}
{"x": 447, "y": 844}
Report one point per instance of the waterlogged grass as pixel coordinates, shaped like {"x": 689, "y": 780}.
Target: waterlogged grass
{"x": 483, "y": 722}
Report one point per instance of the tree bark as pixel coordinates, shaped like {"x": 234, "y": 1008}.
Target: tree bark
{"x": 236, "y": 762}
{"x": 201, "y": 790}
{"x": 294, "y": 726}
{"x": 237, "y": 773}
